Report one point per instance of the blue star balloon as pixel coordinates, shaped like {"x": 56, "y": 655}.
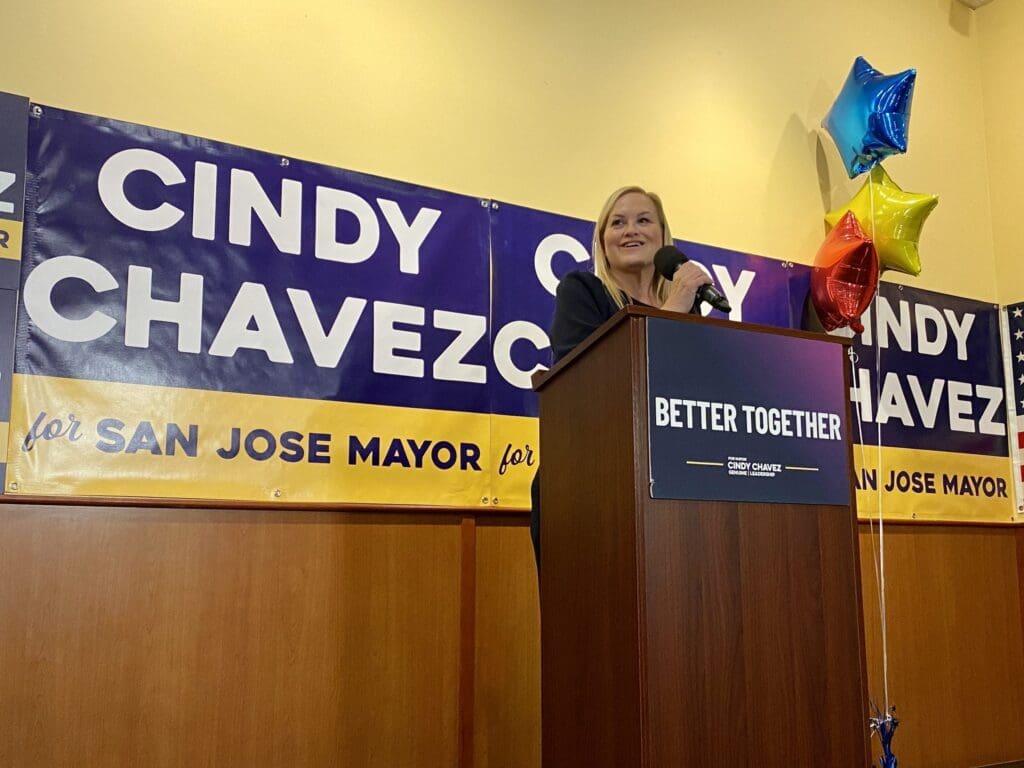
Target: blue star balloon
{"x": 871, "y": 115}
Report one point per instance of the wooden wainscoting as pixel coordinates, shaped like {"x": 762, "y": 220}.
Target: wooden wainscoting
{"x": 955, "y": 640}
{"x": 507, "y": 714}
{"x": 173, "y": 637}
{"x": 141, "y": 636}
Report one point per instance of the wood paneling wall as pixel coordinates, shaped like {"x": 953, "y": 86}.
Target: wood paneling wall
{"x": 169, "y": 637}
{"x": 507, "y": 716}
{"x": 176, "y": 638}
{"x": 955, "y": 641}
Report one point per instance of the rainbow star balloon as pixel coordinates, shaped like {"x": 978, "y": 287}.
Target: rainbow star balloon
{"x": 871, "y": 116}
{"x": 892, "y": 218}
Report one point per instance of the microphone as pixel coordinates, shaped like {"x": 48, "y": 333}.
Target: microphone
{"x": 669, "y": 258}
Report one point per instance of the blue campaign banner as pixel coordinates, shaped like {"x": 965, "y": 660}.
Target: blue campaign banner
{"x": 13, "y": 130}
{"x": 927, "y": 376}
{"x": 530, "y": 252}
{"x": 162, "y": 259}
{"x": 394, "y": 328}
{"x": 757, "y": 287}
{"x": 533, "y": 250}
{"x": 799, "y": 300}
{"x": 764, "y": 420}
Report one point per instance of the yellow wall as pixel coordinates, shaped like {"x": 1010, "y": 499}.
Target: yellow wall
{"x": 1001, "y": 25}
{"x": 715, "y": 104}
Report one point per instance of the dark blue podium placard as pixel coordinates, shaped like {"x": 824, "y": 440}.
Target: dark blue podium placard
{"x": 739, "y": 415}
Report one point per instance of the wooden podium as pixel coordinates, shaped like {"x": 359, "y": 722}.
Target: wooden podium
{"x": 679, "y": 632}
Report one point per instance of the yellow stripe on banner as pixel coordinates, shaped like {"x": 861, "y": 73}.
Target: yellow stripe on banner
{"x": 84, "y": 438}
{"x": 10, "y": 239}
{"x": 4, "y": 432}
{"x": 933, "y": 485}
{"x": 96, "y": 438}
{"x": 515, "y": 442}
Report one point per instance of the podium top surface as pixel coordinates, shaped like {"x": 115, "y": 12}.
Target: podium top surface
{"x": 542, "y": 378}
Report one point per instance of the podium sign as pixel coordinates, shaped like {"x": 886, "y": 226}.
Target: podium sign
{"x": 736, "y": 415}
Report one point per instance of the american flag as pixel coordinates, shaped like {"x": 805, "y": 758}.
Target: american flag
{"x": 1014, "y": 352}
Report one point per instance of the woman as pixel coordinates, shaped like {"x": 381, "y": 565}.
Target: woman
{"x": 630, "y": 229}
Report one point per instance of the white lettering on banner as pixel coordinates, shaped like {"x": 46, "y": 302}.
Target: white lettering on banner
{"x": 960, "y": 396}
{"x": 734, "y": 292}
{"x": 251, "y": 307}
{"x": 959, "y": 406}
{"x": 961, "y": 330}
{"x": 7, "y": 180}
{"x": 987, "y": 424}
{"x": 204, "y": 201}
{"x": 508, "y": 335}
{"x": 328, "y": 202}
{"x": 925, "y": 316}
{"x": 934, "y": 328}
{"x": 280, "y": 215}
{"x": 545, "y": 253}
{"x": 387, "y": 339}
{"x": 410, "y": 236}
{"x": 251, "y": 322}
{"x": 247, "y": 198}
{"x": 928, "y": 406}
{"x": 37, "y": 297}
{"x": 141, "y": 309}
{"x": 110, "y": 185}
{"x": 326, "y": 348}
{"x": 449, "y": 365}
{"x": 887, "y": 323}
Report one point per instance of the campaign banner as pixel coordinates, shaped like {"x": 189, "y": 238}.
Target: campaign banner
{"x": 533, "y": 250}
{"x": 717, "y": 433}
{"x": 1013, "y": 364}
{"x": 530, "y": 252}
{"x": 202, "y": 320}
{"x": 13, "y": 138}
{"x": 928, "y": 407}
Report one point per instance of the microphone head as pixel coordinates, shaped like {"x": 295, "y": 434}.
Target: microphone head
{"x": 667, "y": 260}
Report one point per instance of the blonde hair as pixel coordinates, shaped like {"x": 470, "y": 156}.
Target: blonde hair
{"x": 602, "y": 268}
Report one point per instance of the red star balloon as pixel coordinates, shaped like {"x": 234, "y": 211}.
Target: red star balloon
{"x": 845, "y": 275}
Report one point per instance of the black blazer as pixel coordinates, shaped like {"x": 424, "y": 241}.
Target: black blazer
{"x": 582, "y": 305}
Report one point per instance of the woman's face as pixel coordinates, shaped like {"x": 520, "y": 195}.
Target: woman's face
{"x": 633, "y": 233}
